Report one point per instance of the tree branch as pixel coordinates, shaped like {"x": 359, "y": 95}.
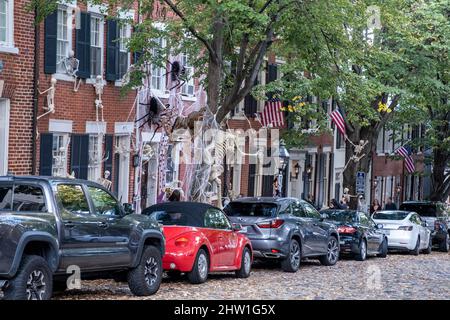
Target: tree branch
{"x": 194, "y": 32}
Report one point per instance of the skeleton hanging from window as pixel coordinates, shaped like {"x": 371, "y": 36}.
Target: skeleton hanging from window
{"x": 99, "y": 85}
{"x": 50, "y": 108}
{"x": 71, "y": 65}
{"x": 105, "y": 180}
{"x": 357, "y": 150}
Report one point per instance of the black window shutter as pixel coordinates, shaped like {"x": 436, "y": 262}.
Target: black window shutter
{"x": 251, "y": 180}
{"x": 109, "y": 153}
{"x": 272, "y": 73}
{"x": 79, "y": 159}
{"x": 112, "y": 50}
{"x": 50, "y": 29}
{"x": 137, "y": 54}
{"x": 250, "y": 104}
{"x": 46, "y": 156}
{"x": 83, "y": 45}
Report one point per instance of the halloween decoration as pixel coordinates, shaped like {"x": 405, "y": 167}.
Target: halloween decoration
{"x": 50, "y": 108}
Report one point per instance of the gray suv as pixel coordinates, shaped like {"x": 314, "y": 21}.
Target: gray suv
{"x": 286, "y": 229}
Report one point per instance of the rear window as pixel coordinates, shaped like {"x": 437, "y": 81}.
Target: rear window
{"x": 251, "y": 209}
{"x": 424, "y": 210}
{"x": 393, "y": 215}
{"x": 341, "y": 216}
{"x": 176, "y": 218}
{"x": 5, "y": 197}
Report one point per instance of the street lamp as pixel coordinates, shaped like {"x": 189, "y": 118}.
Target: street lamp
{"x": 283, "y": 156}
{"x": 296, "y": 171}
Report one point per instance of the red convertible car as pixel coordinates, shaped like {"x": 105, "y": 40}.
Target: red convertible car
{"x": 201, "y": 239}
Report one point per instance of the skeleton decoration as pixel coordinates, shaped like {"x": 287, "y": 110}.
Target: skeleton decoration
{"x": 50, "y": 108}
{"x": 357, "y": 150}
{"x": 99, "y": 85}
{"x": 71, "y": 65}
{"x": 105, "y": 180}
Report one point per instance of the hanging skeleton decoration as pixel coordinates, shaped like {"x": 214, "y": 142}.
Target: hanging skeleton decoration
{"x": 50, "y": 108}
{"x": 71, "y": 65}
{"x": 357, "y": 150}
{"x": 105, "y": 181}
{"x": 99, "y": 85}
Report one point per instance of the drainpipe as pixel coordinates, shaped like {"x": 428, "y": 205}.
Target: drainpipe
{"x": 35, "y": 91}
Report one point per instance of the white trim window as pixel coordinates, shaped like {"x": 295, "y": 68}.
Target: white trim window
{"x": 63, "y": 37}
{"x": 95, "y": 156}
{"x": 188, "y": 88}
{"x": 7, "y": 26}
{"x": 97, "y": 35}
{"x": 158, "y": 82}
{"x": 124, "y": 54}
{"x": 59, "y": 153}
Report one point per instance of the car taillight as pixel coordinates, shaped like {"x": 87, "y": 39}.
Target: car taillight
{"x": 405, "y": 228}
{"x": 344, "y": 229}
{"x": 274, "y": 224}
{"x": 181, "y": 242}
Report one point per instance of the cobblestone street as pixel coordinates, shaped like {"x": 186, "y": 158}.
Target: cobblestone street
{"x": 402, "y": 276}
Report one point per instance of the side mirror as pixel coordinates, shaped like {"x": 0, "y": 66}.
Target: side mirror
{"x": 424, "y": 224}
{"x": 380, "y": 226}
{"x": 128, "y": 208}
{"x": 237, "y": 227}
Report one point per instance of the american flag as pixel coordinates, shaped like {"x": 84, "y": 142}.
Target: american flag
{"x": 409, "y": 161}
{"x": 338, "y": 119}
{"x": 272, "y": 114}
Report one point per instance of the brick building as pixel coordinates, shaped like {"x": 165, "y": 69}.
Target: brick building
{"x": 16, "y": 87}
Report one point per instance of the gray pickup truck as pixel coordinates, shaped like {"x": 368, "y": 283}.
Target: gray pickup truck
{"x": 51, "y": 227}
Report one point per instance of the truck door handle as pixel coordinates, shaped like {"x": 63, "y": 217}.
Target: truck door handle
{"x": 102, "y": 225}
{"x": 69, "y": 225}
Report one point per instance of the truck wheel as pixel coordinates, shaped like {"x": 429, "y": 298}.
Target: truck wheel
{"x": 33, "y": 280}
{"x": 246, "y": 264}
{"x": 145, "y": 279}
{"x": 200, "y": 270}
{"x": 444, "y": 245}
{"x": 292, "y": 262}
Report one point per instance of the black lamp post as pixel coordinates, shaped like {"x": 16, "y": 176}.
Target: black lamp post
{"x": 283, "y": 155}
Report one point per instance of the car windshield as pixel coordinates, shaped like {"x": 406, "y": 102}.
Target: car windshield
{"x": 340, "y": 215}
{"x": 390, "y": 215}
{"x": 423, "y": 209}
{"x": 247, "y": 209}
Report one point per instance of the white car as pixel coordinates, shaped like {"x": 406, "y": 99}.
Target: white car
{"x": 405, "y": 230}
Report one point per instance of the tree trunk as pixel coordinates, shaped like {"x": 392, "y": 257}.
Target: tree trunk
{"x": 369, "y": 134}
{"x": 439, "y": 181}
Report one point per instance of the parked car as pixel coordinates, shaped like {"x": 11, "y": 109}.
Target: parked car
{"x": 437, "y": 216}
{"x": 50, "y": 225}
{"x": 405, "y": 230}
{"x": 359, "y": 234}
{"x": 201, "y": 239}
{"x": 286, "y": 229}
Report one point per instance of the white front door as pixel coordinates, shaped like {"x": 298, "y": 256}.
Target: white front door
{"x": 4, "y": 135}
{"x": 123, "y": 167}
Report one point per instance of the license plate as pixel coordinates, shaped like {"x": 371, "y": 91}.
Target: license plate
{"x": 386, "y": 231}
{"x": 244, "y": 230}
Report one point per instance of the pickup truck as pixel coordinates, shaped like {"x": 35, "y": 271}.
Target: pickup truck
{"x": 51, "y": 227}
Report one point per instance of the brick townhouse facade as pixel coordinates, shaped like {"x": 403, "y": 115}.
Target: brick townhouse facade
{"x": 16, "y": 87}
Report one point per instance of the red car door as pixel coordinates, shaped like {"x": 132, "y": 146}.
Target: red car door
{"x": 230, "y": 247}
{"x": 217, "y": 236}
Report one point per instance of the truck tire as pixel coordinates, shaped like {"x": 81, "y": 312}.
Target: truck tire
{"x": 145, "y": 279}
{"x": 33, "y": 280}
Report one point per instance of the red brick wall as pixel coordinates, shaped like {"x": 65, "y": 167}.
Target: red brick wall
{"x": 18, "y": 76}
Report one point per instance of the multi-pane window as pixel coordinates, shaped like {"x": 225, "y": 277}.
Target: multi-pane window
{"x": 124, "y": 59}
{"x": 158, "y": 73}
{"x": 96, "y": 45}
{"x": 59, "y": 153}
{"x": 95, "y": 153}
{"x": 4, "y": 21}
{"x": 62, "y": 40}
{"x": 188, "y": 87}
